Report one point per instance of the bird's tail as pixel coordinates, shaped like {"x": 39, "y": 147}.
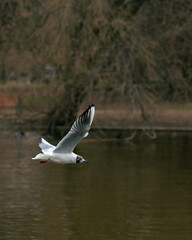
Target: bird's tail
{"x": 41, "y": 156}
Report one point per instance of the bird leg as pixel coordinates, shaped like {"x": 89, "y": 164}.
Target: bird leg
{"x": 44, "y": 161}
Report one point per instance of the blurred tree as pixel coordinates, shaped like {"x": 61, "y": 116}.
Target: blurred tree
{"x": 7, "y": 14}
{"x": 131, "y": 50}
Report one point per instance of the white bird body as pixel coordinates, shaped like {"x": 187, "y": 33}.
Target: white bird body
{"x": 63, "y": 152}
{"x": 68, "y": 158}
{"x": 65, "y": 158}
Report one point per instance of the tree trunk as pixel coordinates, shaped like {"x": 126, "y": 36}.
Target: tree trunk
{"x": 65, "y": 110}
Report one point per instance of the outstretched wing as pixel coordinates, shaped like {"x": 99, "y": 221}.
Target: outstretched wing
{"x": 45, "y": 146}
{"x": 78, "y": 131}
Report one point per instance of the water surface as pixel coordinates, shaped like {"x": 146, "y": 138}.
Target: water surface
{"x": 136, "y": 190}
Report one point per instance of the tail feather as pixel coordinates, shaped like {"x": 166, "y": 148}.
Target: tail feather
{"x": 41, "y": 156}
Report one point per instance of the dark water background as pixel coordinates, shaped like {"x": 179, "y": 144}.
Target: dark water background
{"x": 137, "y": 190}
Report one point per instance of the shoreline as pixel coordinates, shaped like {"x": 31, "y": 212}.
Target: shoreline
{"x": 29, "y": 127}
{"x": 110, "y": 119}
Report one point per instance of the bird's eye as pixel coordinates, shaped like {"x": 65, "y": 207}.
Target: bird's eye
{"x": 78, "y": 159}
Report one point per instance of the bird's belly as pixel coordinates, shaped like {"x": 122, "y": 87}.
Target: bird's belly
{"x": 63, "y": 158}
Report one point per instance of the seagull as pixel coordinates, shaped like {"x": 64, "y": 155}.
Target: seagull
{"x": 63, "y": 152}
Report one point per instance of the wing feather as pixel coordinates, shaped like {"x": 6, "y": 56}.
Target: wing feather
{"x": 78, "y": 131}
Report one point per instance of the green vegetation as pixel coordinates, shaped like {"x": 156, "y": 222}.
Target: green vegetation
{"x": 176, "y": 106}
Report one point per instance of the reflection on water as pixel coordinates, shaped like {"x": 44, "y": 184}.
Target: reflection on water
{"x": 137, "y": 190}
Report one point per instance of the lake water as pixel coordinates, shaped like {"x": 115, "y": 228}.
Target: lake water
{"x": 136, "y": 190}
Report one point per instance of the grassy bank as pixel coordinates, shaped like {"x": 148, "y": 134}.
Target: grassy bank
{"x": 36, "y": 100}
{"x": 162, "y": 117}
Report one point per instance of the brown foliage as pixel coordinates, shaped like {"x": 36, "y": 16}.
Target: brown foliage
{"x": 107, "y": 48}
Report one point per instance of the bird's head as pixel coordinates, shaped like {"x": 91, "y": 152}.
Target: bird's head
{"x": 80, "y": 159}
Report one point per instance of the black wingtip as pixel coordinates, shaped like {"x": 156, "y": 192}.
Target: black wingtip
{"x": 86, "y": 110}
{"x": 89, "y": 107}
